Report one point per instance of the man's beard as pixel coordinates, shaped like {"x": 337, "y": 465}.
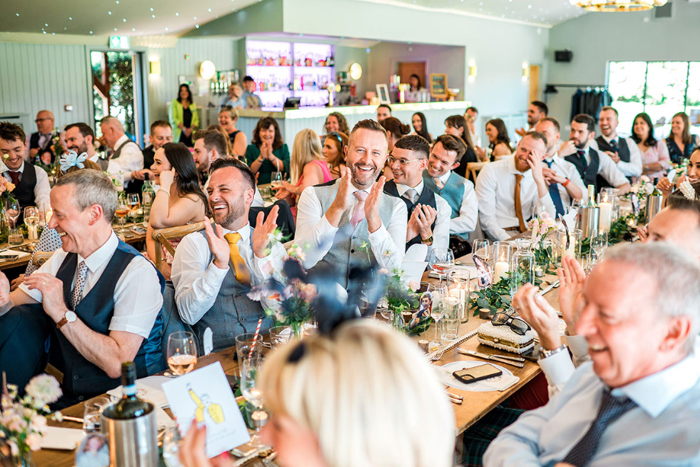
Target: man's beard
{"x": 235, "y": 212}
{"x": 81, "y": 149}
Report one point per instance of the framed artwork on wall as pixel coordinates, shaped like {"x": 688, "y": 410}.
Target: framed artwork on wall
{"x": 438, "y": 85}
{"x": 383, "y": 94}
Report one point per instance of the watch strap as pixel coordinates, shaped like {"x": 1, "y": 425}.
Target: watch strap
{"x": 62, "y": 323}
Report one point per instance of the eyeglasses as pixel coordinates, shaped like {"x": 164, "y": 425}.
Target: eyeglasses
{"x": 402, "y": 162}
{"x": 41, "y": 119}
{"x": 517, "y": 325}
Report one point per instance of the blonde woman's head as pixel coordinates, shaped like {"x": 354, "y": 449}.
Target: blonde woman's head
{"x": 365, "y": 396}
{"x": 307, "y": 148}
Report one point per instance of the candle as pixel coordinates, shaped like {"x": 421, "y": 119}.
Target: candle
{"x": 499, "y": 271}
{"x": 605, "y": 216}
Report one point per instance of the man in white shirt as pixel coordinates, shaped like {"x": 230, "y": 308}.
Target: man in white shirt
{"x": 127, "y": 156}
{"x": 589, "y": 162}
{"x": 101, "y": 298}
{"x": 564, "y": 181}
{"x": 536, "y": 112}
{"x": 512, "y": 189}
{"x": 623, "y": 151}
{"x": 213, "y": 271}
{"x": 459, "y": 192}
{"x": 428, "y": 213}
{"x": 638, "y": 401}
{"x": 350, "y": 222}
{"x": 31, "y": 182}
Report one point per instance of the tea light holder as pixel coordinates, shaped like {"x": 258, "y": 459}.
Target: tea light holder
{"x": 502, "y": 252}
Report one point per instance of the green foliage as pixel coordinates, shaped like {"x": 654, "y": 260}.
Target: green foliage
{"x": 493, "y": 298}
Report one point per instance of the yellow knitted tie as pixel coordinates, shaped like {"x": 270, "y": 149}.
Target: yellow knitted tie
{"x": 242, "y": 274}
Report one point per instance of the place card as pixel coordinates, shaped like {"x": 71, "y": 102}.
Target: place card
{"x": 205, "y": 395}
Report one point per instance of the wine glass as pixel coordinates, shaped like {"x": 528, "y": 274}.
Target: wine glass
{"x": 599, "y": 244}
{"x": 182, "y": 352}
{"x": 122, "y": 211}
{"x": 437, "y": 310}
{"x": 250, "y": 370}
{"x": 276, "y": 178}
{"x": 481, "y": 248}
{"x": 31, "y": 219}
{"x": 12, "y": 211}
{"x": 441, "y": 260}
{"x": 171, "y": 447}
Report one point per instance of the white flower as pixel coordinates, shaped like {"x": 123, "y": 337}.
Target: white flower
{"x": 649, "y": 189}
{"x": 645, "y": 179}
{"x": 44, "y": 389}
{"x": 34, "y": 441}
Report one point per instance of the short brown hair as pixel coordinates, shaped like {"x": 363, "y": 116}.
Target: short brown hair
{"x": 587, "y": 119}
{"x": 368, "y": 124}
{"x": 415, "y": 143}
{"x": 263, "y": 124}
{"x": 83, "y": 128}
{"x": 553, "y": 121}
{"x": 607, "y": 107}
{"x": 452, "y": 143}
{"x": 536, "y": 135}
{"x": 160, "y": 124}
{"x": 213, "y": 140}
{"x": 10, "y": 132}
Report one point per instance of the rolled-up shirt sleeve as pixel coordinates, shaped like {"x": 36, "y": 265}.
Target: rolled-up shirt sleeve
{"x": 486, "y": 193}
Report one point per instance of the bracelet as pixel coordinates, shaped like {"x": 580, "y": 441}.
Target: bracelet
{"x": 566, "y": 182}
{"x": 548, "y": 353}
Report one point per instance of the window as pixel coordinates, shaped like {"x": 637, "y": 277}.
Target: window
{"x": 661, "y": 89}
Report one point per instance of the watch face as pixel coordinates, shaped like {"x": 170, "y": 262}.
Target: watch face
{"x": 71, "y": 316}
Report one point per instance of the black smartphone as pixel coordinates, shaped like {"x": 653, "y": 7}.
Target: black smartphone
{"x": 477, "y": 373}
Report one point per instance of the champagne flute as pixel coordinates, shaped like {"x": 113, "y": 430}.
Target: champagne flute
{"x": 182, "y": 352}
{"x": 250, "y": 370}
{"x": 441, "y": 260}
{"x": 437, "y": 310}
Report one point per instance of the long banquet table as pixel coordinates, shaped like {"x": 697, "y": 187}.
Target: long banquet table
{"x": 474, "y": 407}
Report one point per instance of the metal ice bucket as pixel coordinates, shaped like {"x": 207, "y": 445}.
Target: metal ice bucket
{"x": 132, "y": 442}
{"x": 588, "y": 221}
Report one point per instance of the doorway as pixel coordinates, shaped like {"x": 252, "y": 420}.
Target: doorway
{"x": 406, "y": 69}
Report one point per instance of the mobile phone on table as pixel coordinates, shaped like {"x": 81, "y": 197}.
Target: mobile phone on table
{"x": 477, "y": 373}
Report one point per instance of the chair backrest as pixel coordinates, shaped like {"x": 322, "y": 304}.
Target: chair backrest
{"x": 161, "y": 237}
{"x": 473, "y": 168}
{"x": 40, "y": 257}
{"x": 285, "y": 218}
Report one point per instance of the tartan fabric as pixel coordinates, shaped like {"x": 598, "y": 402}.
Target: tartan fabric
{"x": 479, "y": 436}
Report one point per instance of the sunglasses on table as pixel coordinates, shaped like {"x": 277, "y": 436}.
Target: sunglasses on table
{"x": 517, "y": 325}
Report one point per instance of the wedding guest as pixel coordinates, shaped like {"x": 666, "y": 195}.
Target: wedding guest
{"x": 336, "y": 122}
{"x": 655, "y": 157}
{"x": 234, "y": 98}
{"x": 383, "y": 111}
{"x": 350, "y": 221}
{"x": 183, "y": 116}
{"x": 471, "y": 115}
{"x": 453, "y": 188}
{"x": 220, "y": 129}
{"x": 179, "y": 200}
{"x": 334, "y": 152}
{"x": 456, "y": 125}
{"x": 31, "y": 183}
{"x": 80, "y": 138}
{"x": 499, "y": 142}
{"x": 618, "y": 409}
{"x": 41, "y": 143}
{"x": 96, "y": 320}
{"x": 267, "y": 152}
{"x": 623, "y": 151}
{"x": 564, "y": 181}
{"x": 161, "y": 133}
{"x": 252, "y": 100}
{"x": 511, "y": 189}
{"x": 126, "y": 158}
{"x": 535, "y": 112}
{"x": 420, "y": 126}
{"x": 395, "y": 130}
{"x": 214, "y": 270}
{"x": 228, "y": 117}
{"x": 680, "y": 142}
{"x": 692, "y": 175}
{"x": 589, "y": 162}
{"x": 321, "y": 398}
{"x": 308, "y": 168}
{"x": 427, "y": 213}
{"x": 209, "y": 146}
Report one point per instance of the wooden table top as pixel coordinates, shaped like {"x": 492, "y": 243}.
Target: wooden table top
{"x": 474, "y": 407}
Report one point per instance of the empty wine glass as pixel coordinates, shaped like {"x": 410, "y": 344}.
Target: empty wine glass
{"x": 276, "y": 178}
{"x": 481, "y": 248}
{"x": 12, "y": 211}
{"x": 250, "y": 370}
{"x": 437, "y": 310}
{"x": 441, "y": 260}
{"x": 599, "y": 244}
{"x": 182, "y": 352}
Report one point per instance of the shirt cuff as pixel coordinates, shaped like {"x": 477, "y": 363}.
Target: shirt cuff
{"x": 558, "y": 368}
{"x": 214, "y": 276}
{"x": 577, "y": 345}
{"x": 379, "y": 235}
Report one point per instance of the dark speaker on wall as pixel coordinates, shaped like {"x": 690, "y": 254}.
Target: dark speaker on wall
{"x": 563, "y": 55}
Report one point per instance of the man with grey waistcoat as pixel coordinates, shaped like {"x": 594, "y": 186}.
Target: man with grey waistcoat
{"x": 350, "y": 222}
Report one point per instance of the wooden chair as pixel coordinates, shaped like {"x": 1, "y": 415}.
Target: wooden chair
{"x": 473, "y": 169}
{"x": 161, "y": 237}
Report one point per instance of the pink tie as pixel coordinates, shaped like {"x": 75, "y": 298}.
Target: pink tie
{"x": 359, "y": 213}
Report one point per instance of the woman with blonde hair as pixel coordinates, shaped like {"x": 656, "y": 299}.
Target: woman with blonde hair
{"x": 308, "y": 167}
{"x": 349, "y": 399}
{"x": 228, "y": 117}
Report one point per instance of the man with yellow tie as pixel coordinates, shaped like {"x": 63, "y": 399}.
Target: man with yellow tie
{"x": 214, "y": 269}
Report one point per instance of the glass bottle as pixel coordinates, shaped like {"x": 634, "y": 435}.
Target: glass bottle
{"x": 130, "y": 406}
{"x": 148, "y": 194}
{"x": 522, "y": 269}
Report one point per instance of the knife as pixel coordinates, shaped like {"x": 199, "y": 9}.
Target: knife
{"x": 554, "y": 285}
{"x": 494, "y": 358}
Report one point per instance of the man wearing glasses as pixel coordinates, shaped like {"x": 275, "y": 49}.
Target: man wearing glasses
{"x": 40, "y": 142}
{"x": 428, "y": 213}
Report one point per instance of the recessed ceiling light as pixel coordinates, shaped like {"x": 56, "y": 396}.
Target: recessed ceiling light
{"x": 177, "y": 14}
{"x": 46, "y": 24}
{"x": 70, "y": 18}
{"x": 209, "y": 10}
{"x": 17, "y": 14}
{"x": 151, "y": 9}
{"x": 133, "y": 29}
{"x": 109, "y": 12}
{"x": 153, "y": 16}
{"x": 123, "y": 20}
{"x": 115, "y": 29}
{"x": 196, "y": 26}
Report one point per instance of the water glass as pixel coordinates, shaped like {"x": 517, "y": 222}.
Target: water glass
{"x": 437, "y": 294}
{"x": 182, "y": 352}
{"x": 599, "y": 244}
{"x": 250, "y": 370}
{"x": 171, "y": 447}
{"x": 15, "y": 237}
{"x": 481, "y": 248}
{"x": 280, "y": 335}
{"x": 451, "y": 320}
{"x": 570, "y": 247}
{"x": 441, "y": 260}
{"x": 459, "y": 286}
{"x": 91, "y": 414}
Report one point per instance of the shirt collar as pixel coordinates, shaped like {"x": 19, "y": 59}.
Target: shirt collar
{"x": 243, "y": 231}
{"x": 404, "y": 188}
{"x": 120, "y": 141}
{"x": 102, "y": 254}
{"x": 445, "y": 177}
{"x": 513, "y": 170}
{"x": 614, "y": 136}
{"x": 656, "y": 392}
{"x": 7, "y": 169}
{"x": 554, "y": 159}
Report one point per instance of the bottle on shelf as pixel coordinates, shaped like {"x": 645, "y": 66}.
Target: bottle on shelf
{"x": 130, "y": 406}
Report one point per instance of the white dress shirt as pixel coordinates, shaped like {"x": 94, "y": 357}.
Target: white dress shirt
{"x": 42, "y": 189}
{"x": 130, "y": 159}
{"x": 660, "y": 431}
{"x": 137, "y": 296}
{"x": 441, "y": 233}
{"x": 388, "y": 243}
{"x": 469, "y": 210}
{"x": 495, "y": 189}
{"x": 568, "y": 170}
{"x": 197, "y": 279}
{"x": 633, "y": 168}
{"x": 606, "y": 168}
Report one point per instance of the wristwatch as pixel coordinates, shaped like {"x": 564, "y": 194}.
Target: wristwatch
{"x": 69, "y": 317}
{"x": 566, "y": 182}
{"x": 427, "y": 241}
{"x": 548, "y": 353}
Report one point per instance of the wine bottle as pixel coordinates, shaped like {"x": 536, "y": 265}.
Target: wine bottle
{"x": 591, "y": 196}
{"x": 130, "y": 406}
{"x": 148, "y": 194}
{"x": 656, "y": 191}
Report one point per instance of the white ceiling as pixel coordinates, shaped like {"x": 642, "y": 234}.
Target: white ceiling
{"x": 151, "y": 17}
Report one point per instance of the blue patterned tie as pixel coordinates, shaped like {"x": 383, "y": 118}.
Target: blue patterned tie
{"x": 613, "y": 145}
{"x": 554, "y": 193}
{"x": 611, "y": 409}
